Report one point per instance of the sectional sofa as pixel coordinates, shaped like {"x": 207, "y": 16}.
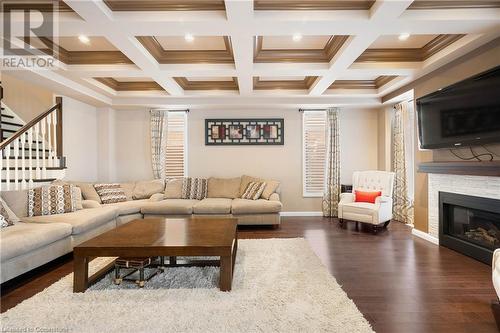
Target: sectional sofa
{"x": 34, "y": 241}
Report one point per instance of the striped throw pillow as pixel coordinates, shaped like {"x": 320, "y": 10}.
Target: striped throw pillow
{"x": 110, "y": 193}
{"x": 51, "y": 200}
{"x": 194, "y": 188}
{"x": 254, "y": 190}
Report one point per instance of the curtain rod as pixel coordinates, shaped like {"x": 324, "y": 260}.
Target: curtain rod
{"x": 302, "y": 110}
{"x": 179, "y": 110}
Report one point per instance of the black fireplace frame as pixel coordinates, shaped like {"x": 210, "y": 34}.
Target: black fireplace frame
{"x": 470, "y": 249}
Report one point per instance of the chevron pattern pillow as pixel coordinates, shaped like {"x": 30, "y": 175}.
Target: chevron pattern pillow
{"x": 5, "y": 220}
{"x": 194, "y": 188}
{"x": 254, "y": 190}
{"x": 51, "y": 200}
{"x": 110, "y": 193}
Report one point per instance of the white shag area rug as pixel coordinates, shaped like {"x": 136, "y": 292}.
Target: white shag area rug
{"x": 279, "y": 285}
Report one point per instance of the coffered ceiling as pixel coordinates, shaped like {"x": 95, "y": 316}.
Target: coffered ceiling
{"x": 262, "y": 52}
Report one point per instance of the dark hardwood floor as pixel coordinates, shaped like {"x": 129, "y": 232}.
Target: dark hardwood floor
{"x": 400, "y": 283}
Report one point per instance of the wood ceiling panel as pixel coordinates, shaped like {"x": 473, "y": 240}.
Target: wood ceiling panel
{"x": 306, "y": 83}
{"x": 325, "y": 54}
{"x": 41, "y": 5}
{"x": 313, "y": 4}
{"x": 165, "y": 5}
{"x": 187, "y": 56}
{"x": 200, "y": 43}
{"x": 129, "y": 85}
{"x": 362, "y": 84}
{"x": 409, "y": 54}
{"x": 286, "y": 42}
{"x": 82, "y": 57}
{"x": 187, "y": 84}
{"x": 453, "y": 4}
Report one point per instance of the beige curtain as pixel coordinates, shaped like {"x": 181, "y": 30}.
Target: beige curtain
{"x": 159, "y": 121}
{"x": 331, "y": 193}
{"x": 402, "y": 203}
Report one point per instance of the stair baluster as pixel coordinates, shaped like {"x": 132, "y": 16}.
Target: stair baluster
{"x": 43, "y": 138}
{"x": 23, "y": 161}
{"x": 16, "y": 164}
{"x": 29, "y": 134}
{"x": 7, "y": 161}
{"x": 36, "y": 131}
{"x": 52, "y": 139}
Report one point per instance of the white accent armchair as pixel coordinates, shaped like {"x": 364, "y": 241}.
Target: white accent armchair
{"x": 495, "y": 276}
{"x": 377, "y": 213}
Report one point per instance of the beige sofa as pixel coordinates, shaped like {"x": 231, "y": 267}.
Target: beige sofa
{"x": 37, "y": 240}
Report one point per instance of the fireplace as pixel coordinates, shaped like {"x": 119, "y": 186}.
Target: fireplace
{"x": 469, "y": 225}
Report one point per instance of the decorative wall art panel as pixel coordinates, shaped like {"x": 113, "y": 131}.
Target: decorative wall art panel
{"x": 244, "y": 131}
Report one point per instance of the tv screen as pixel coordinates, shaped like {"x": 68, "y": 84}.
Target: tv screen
{"x": 464, "y": 114}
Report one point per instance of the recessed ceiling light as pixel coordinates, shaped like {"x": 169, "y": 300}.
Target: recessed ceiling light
{"x": 189, "y": 38}
{"x": 84, "y": 39}
{"x": 297, "y": 37}
{"x": 404, "y": 36}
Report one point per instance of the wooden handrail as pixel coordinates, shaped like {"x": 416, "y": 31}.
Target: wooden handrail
{"x": 32, "y": 123}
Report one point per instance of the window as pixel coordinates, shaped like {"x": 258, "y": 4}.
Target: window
{"x": 314, "y": 152}
{"x": 176, "y": 164}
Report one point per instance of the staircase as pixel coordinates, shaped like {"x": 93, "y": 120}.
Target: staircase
{"x": 31, "y": 154}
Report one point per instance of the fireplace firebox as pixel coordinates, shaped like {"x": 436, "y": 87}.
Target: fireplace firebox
{"x": 469, "y": 225}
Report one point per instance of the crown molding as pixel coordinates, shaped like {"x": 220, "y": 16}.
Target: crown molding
{"x": 187, "y": 56}
{"x": 206, "y": 85}
{"x": 129, "y": 85}
{"x": 313, "y": 5}
{"x": 164, "y": 5}
{"x": 362, "y": 84}
{"x": 284, "y": 84}
{"x": 453, "y": 4}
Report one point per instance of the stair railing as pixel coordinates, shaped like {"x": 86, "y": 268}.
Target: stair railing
{"x": 39, "y": 143}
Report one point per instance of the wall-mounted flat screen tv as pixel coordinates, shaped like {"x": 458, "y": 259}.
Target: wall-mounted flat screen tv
{"x": 462, "y": 115}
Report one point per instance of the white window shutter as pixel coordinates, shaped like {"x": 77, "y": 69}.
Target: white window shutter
{"x": 314, "y": 152}
{"x": 176, "y": 145}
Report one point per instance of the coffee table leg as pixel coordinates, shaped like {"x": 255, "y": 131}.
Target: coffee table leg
{"x": 226, "y": 273}
{"x": 80, "y": 273}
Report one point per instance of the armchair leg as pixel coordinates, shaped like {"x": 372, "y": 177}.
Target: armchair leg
{"x": 495, "y": 308}
{"x": 374, "y": 229}
{"x": 386, "y": 224}
{"x": 357, "y": 226}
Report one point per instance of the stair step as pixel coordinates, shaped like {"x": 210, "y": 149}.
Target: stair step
{"x": 11, "y": 124}
{"x": 7, "y": 115}
{"x": 8, "y": 130}
{"x": 32, "y": 149}
{"x": 44, "y": 180}
{"x": 33, "y": 168}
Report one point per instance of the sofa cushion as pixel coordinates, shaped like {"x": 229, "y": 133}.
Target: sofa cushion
{"x": 128, "y": 188}
{"x": 271, "y": 185}
{"x": 223, "y": 187}
{"x": 128, "y": 207}
{"x": 170, "y": 207}
{"x": 81, "y": 220}
{"x": 146, "y": 188}
{"x": 22, "y": 237}
{"x": 17, "y": 201}
{"x": 173, "y": 188}
{"x": 261, "y": 206}
{"x": 213, "y": 206}
{"x": 364, "y": 208}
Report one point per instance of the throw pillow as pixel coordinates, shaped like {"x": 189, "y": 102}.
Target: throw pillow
{"x": 194, "y": 188}
{"x": 51, "y": 200}
{"x": 146, "y": 188}
{"x": 254, "y": 190}
{"x": 173, "y": 188}
{"x": 5, "y": 220}
{"x": 362, "y": 196}
{"x": 10, "y": 214}
{"x": 110, "y": 193}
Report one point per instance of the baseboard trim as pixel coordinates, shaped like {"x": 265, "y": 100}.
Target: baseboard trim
{"x": 424, "y": 235}
{"x": 304, "y": 214}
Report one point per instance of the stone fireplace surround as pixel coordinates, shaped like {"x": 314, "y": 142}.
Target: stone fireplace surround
{"x": 480, "y": 186}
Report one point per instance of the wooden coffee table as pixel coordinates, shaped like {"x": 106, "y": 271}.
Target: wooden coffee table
{"x": 161, "y": 237}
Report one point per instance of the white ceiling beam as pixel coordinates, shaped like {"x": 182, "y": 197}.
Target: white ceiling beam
{"x": 97, "y": 13}
{"x": 380, "y": 11}
{"x": 240, "y": 17}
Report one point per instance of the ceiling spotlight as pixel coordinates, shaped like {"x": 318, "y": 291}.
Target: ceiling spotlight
{"x": 84, "y": 39}
{"x": 189, "y": 38}
{"x": 404, "y": 36}
{"x": 297, "y": 37}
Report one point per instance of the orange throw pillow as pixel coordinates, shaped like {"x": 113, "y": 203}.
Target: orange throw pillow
{"x": 370, "y": 197}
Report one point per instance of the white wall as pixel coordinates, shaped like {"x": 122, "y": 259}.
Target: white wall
{"x": 80, "y": 140}
{"x": 358, "y": 139}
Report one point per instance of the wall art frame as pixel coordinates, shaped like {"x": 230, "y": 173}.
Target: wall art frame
{"x": 244, "y": 131}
